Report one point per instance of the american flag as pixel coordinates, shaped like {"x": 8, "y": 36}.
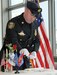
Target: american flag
{"x": 44, "y": 55}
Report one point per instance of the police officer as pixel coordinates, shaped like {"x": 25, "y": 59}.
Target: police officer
{"x": 23, "y": 29}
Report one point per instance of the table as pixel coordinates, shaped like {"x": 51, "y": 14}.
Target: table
{"x": 36, "y": 71}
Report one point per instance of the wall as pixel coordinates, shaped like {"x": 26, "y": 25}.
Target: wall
{"x": 0, "y": 26}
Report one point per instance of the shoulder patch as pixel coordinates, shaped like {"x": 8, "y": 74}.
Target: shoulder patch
{"x": 11, "y": 25}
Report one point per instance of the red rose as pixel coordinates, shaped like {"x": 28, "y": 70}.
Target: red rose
{"x": 14, "y": 46}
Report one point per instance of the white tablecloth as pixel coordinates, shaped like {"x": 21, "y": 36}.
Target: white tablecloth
{"x": 38, "y": 71}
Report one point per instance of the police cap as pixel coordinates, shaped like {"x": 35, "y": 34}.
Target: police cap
{"x": 34, "y": 8}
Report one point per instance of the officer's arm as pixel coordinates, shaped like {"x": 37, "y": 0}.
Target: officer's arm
{"x": 12, "y": 35}
{"x": 37, "y": 42}
{"x": 36, "y": 34}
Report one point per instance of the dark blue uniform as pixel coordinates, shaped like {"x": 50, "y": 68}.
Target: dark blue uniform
{"x": 19, "y": 32}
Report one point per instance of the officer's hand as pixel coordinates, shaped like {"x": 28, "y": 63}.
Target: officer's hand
{"x": 24, "y": 51}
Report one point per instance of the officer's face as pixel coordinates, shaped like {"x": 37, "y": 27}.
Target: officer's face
{"x": 28, "y": 16}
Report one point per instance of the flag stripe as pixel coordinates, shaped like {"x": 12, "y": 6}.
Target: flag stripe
{"x": 47, "y": 43}
{"x": 40, "y": 59}
{"x": 41, "y": 54}
{"x": 43, "y": 50}
{"x": 48, "y": 62}
{"x": 37, "y": 61}
{"x": 42, "y": 43}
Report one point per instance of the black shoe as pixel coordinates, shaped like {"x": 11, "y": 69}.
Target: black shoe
{"x": 17, "y": 72}
{"x": 2, "y": 69}
{"x": 16, "y": 67}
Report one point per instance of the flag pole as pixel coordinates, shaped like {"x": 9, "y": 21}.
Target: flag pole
{"x": 38, "y": 2}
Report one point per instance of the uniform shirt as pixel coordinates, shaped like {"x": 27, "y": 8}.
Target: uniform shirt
{"x": 18, "y": 31}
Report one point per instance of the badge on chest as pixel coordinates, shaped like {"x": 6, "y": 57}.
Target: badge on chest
{"x": 21, "y": 33}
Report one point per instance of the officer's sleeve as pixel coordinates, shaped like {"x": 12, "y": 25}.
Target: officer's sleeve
{"x": 37, "y": 42}
{"x": 36, "y": 34}
{"x": 12, "y": 35}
